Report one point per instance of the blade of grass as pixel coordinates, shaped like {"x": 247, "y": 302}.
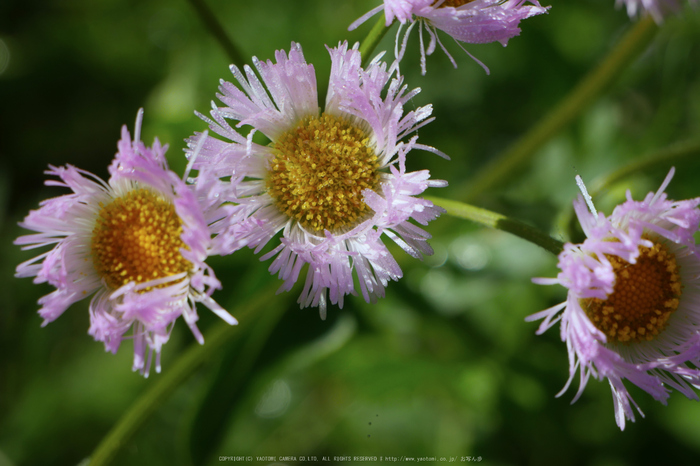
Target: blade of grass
{"x": 174, "y": 376}
{"x": 217, "y": 30}
{"x": 584, "y": 94}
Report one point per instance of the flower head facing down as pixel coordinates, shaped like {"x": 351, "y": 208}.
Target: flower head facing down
{"x": 333, "y": 182}
{"x": 137, "y": 243}
{"x": 469, "y": 21}
{"x": 633, "y": 307}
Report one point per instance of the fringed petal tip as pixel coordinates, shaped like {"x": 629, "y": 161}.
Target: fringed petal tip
{"x": 96, "y": 232}
{"x": 618, "y": 250}
{"x": 370, "y": 100}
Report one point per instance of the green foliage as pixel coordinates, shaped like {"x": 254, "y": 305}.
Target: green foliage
{"x": 445, "y": 364}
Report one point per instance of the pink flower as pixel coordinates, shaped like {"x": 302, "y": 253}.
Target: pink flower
{"x": 332, "y": 182}
{"x": 470, "y": 21}
{"x": 633, "y": 307}
{"x": 137, "y": 244}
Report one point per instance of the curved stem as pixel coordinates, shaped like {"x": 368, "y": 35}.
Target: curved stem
{"x": 370, "y": 43}
{"x": 183, "y": 368}
{"x": 235, "y": 370}
{"x": 585, "y": 93}
{"x": 663, "y": 158}
{"x": 217, "y": 30}
{"x": 500, "y": 222}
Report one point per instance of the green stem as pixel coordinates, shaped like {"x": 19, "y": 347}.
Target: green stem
{"x": 500, "y": 222}
{"x": 585, "y": 93}
{"x": 370, "y": 43}
{"x": 205, "y": 431}
{"x": 663, "y": 158}
{"x": 217, "y": 30}
{"x": 174, "y": 376}
{"x": 659, "y": 160}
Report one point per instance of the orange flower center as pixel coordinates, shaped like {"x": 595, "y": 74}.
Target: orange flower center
{"x": 645, "y": 295}
{"x": 137, "y": 238}
{"x": 319, "y": 171}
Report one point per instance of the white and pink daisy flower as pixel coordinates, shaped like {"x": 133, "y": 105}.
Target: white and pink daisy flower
{"x": 333, "y": 182}
{"x": 633, "y": 307}
{"x": 469, "y": 21}
{"x": 137, "y": 244}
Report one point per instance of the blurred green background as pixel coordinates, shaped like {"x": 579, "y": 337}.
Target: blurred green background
{"x": 444, "y": 365}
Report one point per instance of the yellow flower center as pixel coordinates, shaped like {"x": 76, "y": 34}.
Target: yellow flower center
{"x": 319, "y": 171}
{"x": 645, "y": 295}
{"x": 137, "y": 238}
{"x": 453, "y": 3}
